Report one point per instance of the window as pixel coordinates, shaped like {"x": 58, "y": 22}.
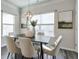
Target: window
{"x": 7, "y": 26}
{"x": 8, "y": 23}
{"x": 45, "y": 23}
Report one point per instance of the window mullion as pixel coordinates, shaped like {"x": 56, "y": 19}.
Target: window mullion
{"x": 7, "y": 24}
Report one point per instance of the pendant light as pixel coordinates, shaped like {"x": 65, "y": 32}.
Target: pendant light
{"x": 28, "y": 14}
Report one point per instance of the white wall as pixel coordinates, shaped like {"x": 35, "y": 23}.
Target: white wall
{"x": 12, "y": 9}
{"x": 68, "y": 34}
{"x": 76, "y": 25}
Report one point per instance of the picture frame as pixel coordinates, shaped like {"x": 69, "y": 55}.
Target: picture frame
{"x": 23, "y": 25}
{"x": 65, "y": 20}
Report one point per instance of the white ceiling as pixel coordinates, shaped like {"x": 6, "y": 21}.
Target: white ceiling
{"x": 23, "y": 3}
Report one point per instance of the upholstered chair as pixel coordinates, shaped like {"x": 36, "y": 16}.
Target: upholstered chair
{"x": 53, "y": 49}
{"x": 11, "y": 47}
{"x": 28, "y": 33}
{"x": 40, "y": 33}
{"x": 27, "y": 49}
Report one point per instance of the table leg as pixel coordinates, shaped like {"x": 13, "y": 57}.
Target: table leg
{"x": 41, "y": 51}
{"x": 14, "y": 39}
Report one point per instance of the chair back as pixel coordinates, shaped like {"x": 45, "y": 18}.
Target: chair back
{"x": 51, "y": 41}
{"x": 11, "y": 46}
{"x": 11, "y": 34}
{"x": 28, "y": 33}
{"x": 26, "y": 47}
{"x": 57, "y": 45}
{"x": 40, "y": 33}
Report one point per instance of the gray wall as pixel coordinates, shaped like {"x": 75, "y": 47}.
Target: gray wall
{"x": 68, "y": 34}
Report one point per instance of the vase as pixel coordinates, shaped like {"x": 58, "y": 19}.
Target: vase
{"x": 33, "y": 32}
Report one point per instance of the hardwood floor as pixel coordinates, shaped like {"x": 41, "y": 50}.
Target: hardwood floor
{"x": 62, "y": 55}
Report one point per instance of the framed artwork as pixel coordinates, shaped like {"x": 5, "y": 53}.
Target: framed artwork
{"x": 65, "y": 20}
{"x": 23, "y": 25}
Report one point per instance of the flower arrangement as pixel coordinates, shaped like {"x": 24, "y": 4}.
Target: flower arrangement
{"x": 33, "y": 23}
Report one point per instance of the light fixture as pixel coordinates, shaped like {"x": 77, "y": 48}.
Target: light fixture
{"x": 28, "y": 14}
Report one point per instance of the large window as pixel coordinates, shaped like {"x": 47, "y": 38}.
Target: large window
{"x": 45, "y": 23}
{"x": 7, "y": 26}
{"x": 8, "y": 23}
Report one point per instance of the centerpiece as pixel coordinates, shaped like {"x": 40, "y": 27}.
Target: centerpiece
{"x": 33, "y": 23}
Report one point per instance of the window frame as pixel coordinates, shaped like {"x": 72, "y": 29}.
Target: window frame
{"x": 52, "y": 24}
{"x": 3, "y": 24}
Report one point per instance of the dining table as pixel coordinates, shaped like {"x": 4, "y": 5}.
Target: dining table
{"x": 41, "y": 40}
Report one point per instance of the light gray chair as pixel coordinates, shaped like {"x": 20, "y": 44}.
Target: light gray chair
{"x": 11, "y": 47}
{"x": 40, "y": 33}
{"x": 28, "y": 33}
{"x": 53, "y": 49}
{"x": 26, "y": 47}
{"x": 11, "y": 34}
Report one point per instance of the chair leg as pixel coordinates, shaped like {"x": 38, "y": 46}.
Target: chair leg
{"x": 38, "y": 54}
{"x": 8, "y": 55}
{"x": 15, "y": 56}
{"x": 12, "y": 55}
{"x": 32, "y": 58}
{"x": 54, "y": 57}
{"x": 27, "y": 58}
{"x": 22, "y": 57}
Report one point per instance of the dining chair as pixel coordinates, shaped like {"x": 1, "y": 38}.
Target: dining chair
{"x": 53, "y": 49}
{"x": 28, "y": 33}
{"x": 27, "y": 49}
{"x": 40, "y": 33}
{"x": 11, "y": 34}
{"x": 11, "y": 47}
{"x": 38, "y": 44}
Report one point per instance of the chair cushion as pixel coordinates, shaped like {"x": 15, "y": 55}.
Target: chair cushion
{"x": 29, "y": 33}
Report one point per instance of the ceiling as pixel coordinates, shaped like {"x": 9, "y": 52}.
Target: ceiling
{"x": 23, "y": 3}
